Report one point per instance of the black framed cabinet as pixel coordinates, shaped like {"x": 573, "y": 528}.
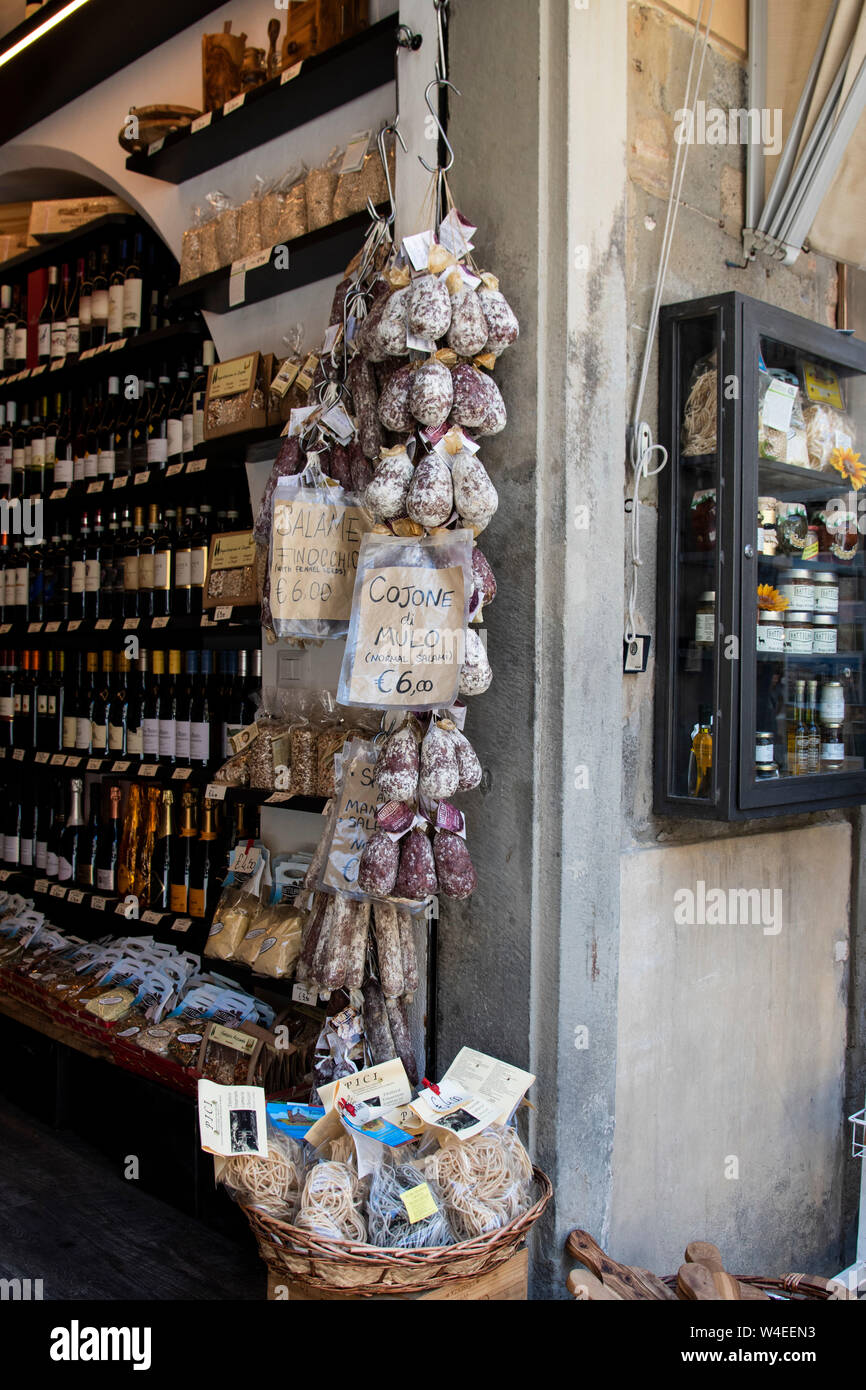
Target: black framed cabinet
{"x": 762, "y": 534}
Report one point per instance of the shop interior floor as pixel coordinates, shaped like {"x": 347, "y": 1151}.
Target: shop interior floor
{"x": 72, "y": 1221}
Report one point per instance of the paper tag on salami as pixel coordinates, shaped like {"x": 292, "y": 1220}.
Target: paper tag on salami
{"x": 396, "y": 817}
{"x": 449, "y": 818}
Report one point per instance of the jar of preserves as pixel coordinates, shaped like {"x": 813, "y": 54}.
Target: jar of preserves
{"x": 766, "y": 766}
{"x": 825, "y": 634}
{"x": 798, "y": 632}
{"x": 832, "y": 748}
{"x": 832, "y": 705}
{"x": 798, "y": 587}
{"x": 705, "y": 619}
{"x": 771, "y": 632}
{"x": 826, "y": 587}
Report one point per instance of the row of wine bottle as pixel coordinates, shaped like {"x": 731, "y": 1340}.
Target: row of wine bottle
{"x": 181, "y": 712}
{"x": 60, "y": 441}
{"x": 125, "y": 569}
{"x": 168, "y": 849}
{"x": 107, "y": 296}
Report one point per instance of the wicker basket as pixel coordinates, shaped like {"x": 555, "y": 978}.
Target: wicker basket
{"x": 367, "y": 1271}
{"x": 789, "y": 1288}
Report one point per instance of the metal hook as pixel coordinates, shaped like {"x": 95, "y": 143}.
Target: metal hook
{"x": 391, "y": 129}
{"x": 443, "y": 168}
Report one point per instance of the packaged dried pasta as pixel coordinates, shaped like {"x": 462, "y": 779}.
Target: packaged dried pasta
{"x": 699, "y": 432}
{"x": 271, "y": 1184}
{"x": 827, "y": 430}
{"x": 781, "y": 427}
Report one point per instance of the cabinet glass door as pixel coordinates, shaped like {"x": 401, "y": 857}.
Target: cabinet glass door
{"x": 803, "y": 619}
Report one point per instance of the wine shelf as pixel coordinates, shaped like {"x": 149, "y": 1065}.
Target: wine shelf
{"x": 233, "y": 626}
{"x": 317, "y": 256}
{"x": 319, "y": 84}
{"x": 100, "y": 362}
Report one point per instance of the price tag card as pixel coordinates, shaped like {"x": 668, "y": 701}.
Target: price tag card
{"x": 18, "y": 754}
{"x": 88, "y": 352}
{"x": 103, "y": 624}
{"x": 222, "y": 614}
{"x": 302, "y": 995}
{"x": 119, "y": 482}
{"x": 41, "y": 885}
{"x": 173, "y": 470}
{"x": 148, "y": 770}
{"x": 42, "y": 757}
{"x": 216, "y": 791}
{"x": 73, "y": 762}
{"x": 34, "y": 627}
{"x": 94, "y": 764}
{"x": 142, "y": 476}
{"x": 76, "y": 895}
{"x": 118, "y": 344}
{"x": 207, "y": 622}
{"x": 52, "y": 627}
{"x": 57, "y": 891}
{"x": 181, "y": 924}
{"x": 98, "y": 904}
{"x": 289, "y": 74}
{"x": 153, "y": 917}
{"x": 158, "y": 622}
{"x": 57, "y": 364}
{"x": 234, "y": 104}
{"x": 57, "y": 494}
{"x": 419, "y": 1203}
{"x": 201, "y": 122}
{"x": 120, "y": 909}
{"x": 41, "y": 368}
{"x": 129, "y": 624}
{"x": 74, "y": 625}
{"x": 97, "y": 486}
{"x": 119, "y": 767}
{"x": 58, "y": 760}
{"x": 276, "y": 798}
{"x": 181, "y": 774}
{"x": 7, "y": 627}
{"x": 4, "y": 874}
{"x": 196, "y": 466}
{"x": 155, "y": 146}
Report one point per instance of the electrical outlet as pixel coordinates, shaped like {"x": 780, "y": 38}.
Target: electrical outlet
{"x": 635, "y": 655}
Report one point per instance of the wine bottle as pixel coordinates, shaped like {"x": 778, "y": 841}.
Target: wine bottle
{"x": 175, "y": 418}
{"x": 84, "y": 716}
{"x": 199, "y": 392}
{"x": 70, "y": 839}
{"x": 46, "y": 317}
{"x": 85, "y": 305}
{"x": 160, "y": 876}
{"x": 163, "y": 567}
{"x": 64, "y": 468}
{"x": 204, "y": 867}
{"x": 88, "y": 840}
{"x": 78, "y": 585}
{"x": 135, "y": 703}
{"x": 139, "y": 424}
{"x": 130, "y": 566}
{"x": 130, "y": 842}
{"x": 24, "y": 731}
{"x": 7, "y": 702}
{"x": 73, "y": 326}
{"x": 108, "y": 845}
{"x": 198, "y": 559}
{"x": 157, "y": 423}
{"x": 52, "y": 429}
{"x": 29, "y": 824}
{"x": 183, "y": 851}
{"x": 115, "y": 295}
{"x": 146, "y": 548}
{"x": 36, "y": 462}
{"x": 106, "y": 455}
{"x": 182, "y": 708}
{"x": 5, "y": 312}
{"x": 132, "y": 290}
{"x": 91, "y": 438}
{"x": 11, "y": 838}
{"x": 167, "y": 710}
{"x": 145, "y": 883}
{"x": 20, "y": 332}
{"x": 150, "y": 716}
{"x": 93, "y": 571}
{"x": 100, "y": 709}
{"x": 118, "y": 708}
{"x": 58, "y": 319}
{"x": 54, "y": 836}
{"x": 65, "y": 603}
{"x": 72, "y": 690}
{"x": 200, "y": 727}
{"x": 19, "y": 457}
{"x": 100, "y": 301}
{"x": 181, "y": 601}
{"x": 5, "y": 455}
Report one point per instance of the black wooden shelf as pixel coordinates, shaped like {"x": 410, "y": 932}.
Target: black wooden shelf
{"x": 316, "y": 256}
{"x": 325, "y": 81}
{"x": 110, "y": 361}
{"x": 243, "y": 625}
{"x": 793, "y": 482}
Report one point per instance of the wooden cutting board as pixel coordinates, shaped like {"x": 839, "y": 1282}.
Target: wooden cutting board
{"x": 626, "y": 1280}
{"x": 704, "y": 1253}
{"x": 586, "y": 1287}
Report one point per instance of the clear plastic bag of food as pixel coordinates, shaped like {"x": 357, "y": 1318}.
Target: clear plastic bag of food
{"x": 699, "y": 432}
{"x": 781, "y": 427}
{"x": 355, "y": 188}
{"x": 827, "y": 431}
{"x": 250, "y": 239}
{"x": 271, "y": 1184}
{"x": 485, "y": 1181}
{"x": 331, "y": 1202}
{"x": 321, "y": 185}
{"x": 388, "y": 1217}
{"x": 284, "y": 208}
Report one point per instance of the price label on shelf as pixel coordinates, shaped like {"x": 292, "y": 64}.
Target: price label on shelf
{"x": 52, "y": 627}
{"x": 181, "y": 774}
{"x": 153, "y": 917}
{"x": 181, "y": 924}
{"x": 34, "y": 627}
{"x": 5, "y": 627}
{"x": 302, "y": 995}
{"x": 73, "y": 762}
{"x": 58, "y": 494}
{"x": 155, "y": 146}
{"x": 120, "y": 910}
{"x": 103, "y": 624}
{"x": 41, "y": 885}
{"x": 276, "y": 798}
{"x": 58, "y": 760}
{"x": 76, "y": 895}
{"x": 119, "y": 767}
{"x": 94, "y": 764}
{"x": 118, "y": 344}
{"x": 289, "y": 74}
{"x": 201, "y": 122}
{"x": 148, "y": 770}
{"x": 173, "y": 470}
{"x": 234, "y": 104}
{"x": 119, "y": 482}
{"x": 57, "y": 891}
{"x": 86, "y": 354}
{"x": 4, "y": 874}
{"x": 74, "y": 624}
{"x": 42, "y": 757}
{"x": 141, "y": 477}
{"x": 98, "y": 904}
{"x": 222, "y": 614}
{"x": 57, "y": 364}
{"x": 196, "y": 466}
{"x": 129, "y": 624}
{"x": 18, "y": 754}
{"x": 97, "y": 486}
{"x": 208, "y": 622}
{"x": 160, "y": 622}
{"x": 215, "y": 791}
{"x": 238, "y": 275}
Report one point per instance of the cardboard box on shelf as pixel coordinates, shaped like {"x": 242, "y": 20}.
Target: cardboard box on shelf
{"x": 62, "y": 215}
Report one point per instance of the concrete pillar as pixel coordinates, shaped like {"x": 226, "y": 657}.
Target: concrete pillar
{"x": 528, "y": 970}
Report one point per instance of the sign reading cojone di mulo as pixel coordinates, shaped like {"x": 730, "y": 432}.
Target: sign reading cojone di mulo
{"x": 408, "y": 631}
{"x": 315, "y": 557}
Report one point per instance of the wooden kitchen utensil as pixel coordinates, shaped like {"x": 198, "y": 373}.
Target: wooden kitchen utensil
{"x": 587, "y": 1288}
{"x": 695, "y": 1282}
{"x": 628, "y": 1281}
{"x": 704, "y": 1253}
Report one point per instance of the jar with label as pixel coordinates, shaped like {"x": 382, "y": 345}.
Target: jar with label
{"x": 832, "y": 748}
{"x": 832, "y": 706}
{"x": 825, "y": 634}
{"x": 792, "y": 528}
{"x": 766, "y": 766}
{"x": 771, "y": 632}
{"x": 767, "y": 538}
{"x": 798, "y": 632}
{"x": 826, "y": 591}
{"x": 798, "y": 587}
{"x": 705, "y": 619}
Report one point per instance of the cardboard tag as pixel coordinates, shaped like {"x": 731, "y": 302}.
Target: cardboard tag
{"x": 419, "y": 1203}
{"x": 314, "y": 558}
{"x": 356, "y": 152}
{"x": 234, "y": 104}
{"x": 289, "y": 74}
{"x": 201, "y": 122}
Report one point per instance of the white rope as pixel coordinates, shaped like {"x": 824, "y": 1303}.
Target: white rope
{"x": 642, "y": 452}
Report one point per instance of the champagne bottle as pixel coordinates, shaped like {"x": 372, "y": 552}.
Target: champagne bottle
{"x": 130, "y": 842}
{"x": 182, "y": 854}
{"x": 70, "y": 840}
{"x": 204, "y": 867}
{"x": 108, "y": 845}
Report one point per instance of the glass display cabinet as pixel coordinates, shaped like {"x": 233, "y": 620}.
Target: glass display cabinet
{"x": 762, "y": 527}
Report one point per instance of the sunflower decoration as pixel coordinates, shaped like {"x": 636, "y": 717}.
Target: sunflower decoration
{"x": 850, "y": 465}
{"x": 770, "y": 600}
